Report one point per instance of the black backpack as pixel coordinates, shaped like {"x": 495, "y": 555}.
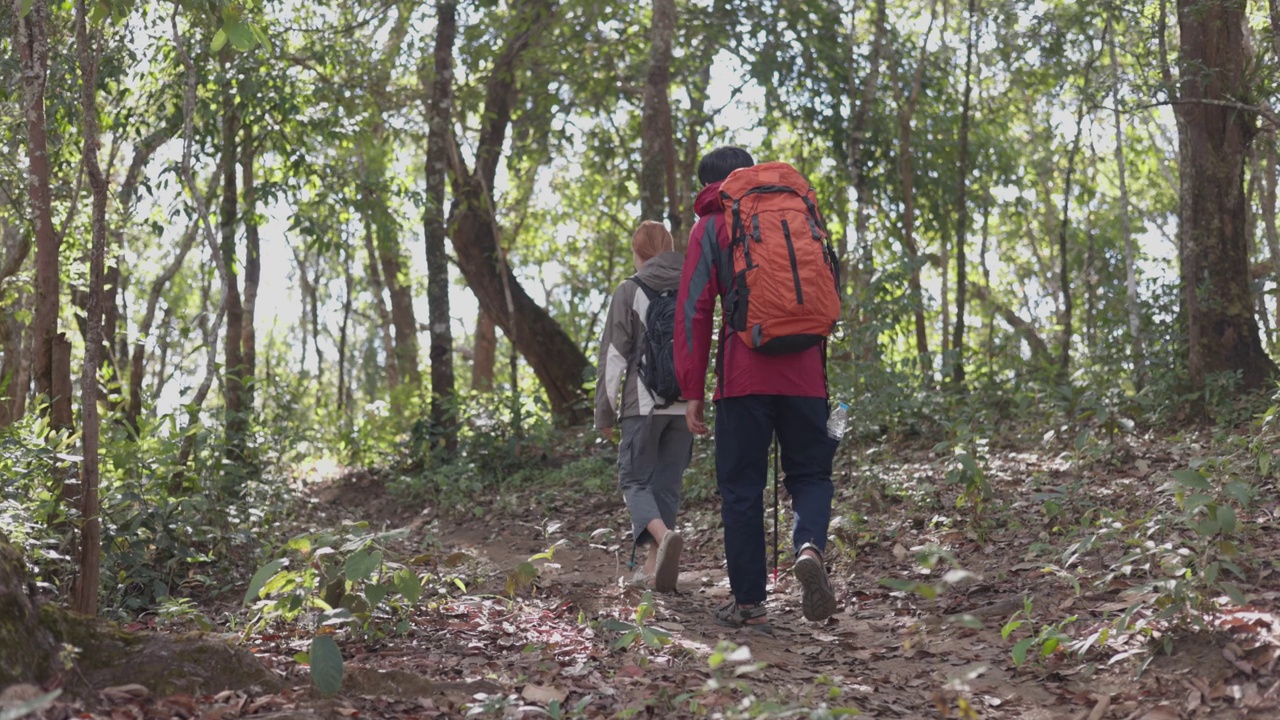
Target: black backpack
{"x": 656, "y": 357}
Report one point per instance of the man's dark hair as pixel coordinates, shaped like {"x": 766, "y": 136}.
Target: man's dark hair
{"x": 717, "y": 164}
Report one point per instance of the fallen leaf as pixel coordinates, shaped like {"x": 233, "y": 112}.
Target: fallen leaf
{"x": 1160, "y": 712}
{"x": 900, "y": 552}
{"x": 125, "y": 693}
{"x": 1100, "y": 710}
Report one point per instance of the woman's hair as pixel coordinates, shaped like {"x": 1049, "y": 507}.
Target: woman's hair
{"x": 651, "y": 238}
{"x": 717, "y": 164}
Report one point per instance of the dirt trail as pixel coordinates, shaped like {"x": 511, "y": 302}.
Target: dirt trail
{"x": 886, "y": 653}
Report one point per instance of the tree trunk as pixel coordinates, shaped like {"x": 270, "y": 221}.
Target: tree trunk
{"x": 349, "y": 284}
{"x": 61, "y": 415}
{"x": 486, "y": 353}
{"x": 311, "y": 311}
{"x": 13, "y": 387}
{"x": 233, "y": 386}
{"x": 252, "y": 273}
{"x": 1064, "y": 227}
{"x": 1269, "y": 214}
{"x": 858, "y": 121}
{"x": 657, "y": 148}
{"x": 443, "y": 400}
{"x": 908, "y": 199}
{"x": 384, "y": 315}
{"x": 32, "y": 43}
{"x": 555, "y": 358}
{"x": 400, "y": 292}
{"x": 1027, "y": 331}
{"x": 88, "y": 582}
{"x": 962, "y": 201}
{"x": 137, "y": 359}
{"x": 1212, "y": 247}
{"x": 1138, "y": 353}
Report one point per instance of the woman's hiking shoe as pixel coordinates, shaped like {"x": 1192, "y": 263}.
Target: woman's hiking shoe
{"x": 818, "y": 602}
{"x": 733, "y": 615}
{"x": 668, "y": 565}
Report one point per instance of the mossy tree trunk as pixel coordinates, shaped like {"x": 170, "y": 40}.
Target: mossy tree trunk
{"x": 26, "y": 648}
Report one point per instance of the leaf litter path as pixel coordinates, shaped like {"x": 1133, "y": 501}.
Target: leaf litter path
{"x": 514, "y": 645}
{"x": 888, "y": 653}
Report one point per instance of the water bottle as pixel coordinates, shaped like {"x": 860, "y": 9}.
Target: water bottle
{"x": 838, "y": 421}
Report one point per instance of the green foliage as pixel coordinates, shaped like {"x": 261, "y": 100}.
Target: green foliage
{"x": 929, "y": 558}
{"x": 639, "y": 630}
{"x": 325, "y": 660}
{"x": 346, "y": 577}
{"x": 30, "y": 511}
{"x": 1045, "y": 640}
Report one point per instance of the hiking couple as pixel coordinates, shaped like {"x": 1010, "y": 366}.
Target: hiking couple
{"x": 778, "y": 306}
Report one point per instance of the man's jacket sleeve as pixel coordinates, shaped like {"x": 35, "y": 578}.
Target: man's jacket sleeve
{"x": 695, "y": 309}
{"x": 615, "y": 349}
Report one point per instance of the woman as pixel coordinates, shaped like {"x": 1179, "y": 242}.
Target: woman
{"x": 655, "y": 443}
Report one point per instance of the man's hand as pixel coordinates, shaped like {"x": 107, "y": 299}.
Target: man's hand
{"x": 695, "y": 416}
{"x": 607, "y": 433}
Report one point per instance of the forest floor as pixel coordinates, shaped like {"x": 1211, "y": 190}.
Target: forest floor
{"x": 1051, "y": 547}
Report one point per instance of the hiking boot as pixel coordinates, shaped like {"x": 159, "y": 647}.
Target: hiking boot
{"x": 818, "y": 602}
{"x": 668, "y": 566}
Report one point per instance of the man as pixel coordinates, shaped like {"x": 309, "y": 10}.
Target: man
{"x": 757, "y": 396}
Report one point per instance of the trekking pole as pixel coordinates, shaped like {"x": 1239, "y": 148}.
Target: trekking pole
{"x": 777, "y": 466}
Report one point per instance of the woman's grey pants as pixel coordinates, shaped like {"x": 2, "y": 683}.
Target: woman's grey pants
{"x": 652, "y": 456}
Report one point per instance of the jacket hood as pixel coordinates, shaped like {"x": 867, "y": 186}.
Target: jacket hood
{"x": 708, "y": 202}
{"x": 662, "y": 272}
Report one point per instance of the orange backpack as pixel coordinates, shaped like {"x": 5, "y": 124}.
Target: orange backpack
{"x": 782, "y": 291}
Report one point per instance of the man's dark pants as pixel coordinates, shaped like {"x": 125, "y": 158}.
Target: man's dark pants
{"x": 745, "y": 427}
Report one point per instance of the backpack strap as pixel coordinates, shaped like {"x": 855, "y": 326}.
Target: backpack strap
{"x": 648, "y": 291}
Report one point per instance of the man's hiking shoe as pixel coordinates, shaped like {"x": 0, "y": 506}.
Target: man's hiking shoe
{"x": 818, "y": 603}
{"x": 642, "y": 579}
{"x": 668, "y": 565}
{"x": 733, "y": 615}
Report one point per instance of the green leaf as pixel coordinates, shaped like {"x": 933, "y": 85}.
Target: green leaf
{"x": 241, "y": 35}
{"x": 1211, "y": 573}
{"x": 373, "y": 594}
{"x": 31, "y": 706}
{"x": 968, "y": 620}
{"x": 326, "y": 665}
{"x": 361, "y": 565}
{"x": 615, "y": 625}
{"x": 302, "y": 658}
{"x": 99, "y": 13}
{"x": 219, "y": 40}
{"x": 716, "y": 660}
{"x": 1192, "y": 479}
{"x": 626, "y": 639}
{"x": 898, "y": 584}
{"x": 1196, "y": 500}
{"x": 260, "y": 578}
{"x": 1048, "y": 647}
{"x": 1234, "y": 592}
{"x": 1020, "y": 650}
{"x": 408, "y": 585}
{"x": 24, "y": 9}
{"x": 1226, "y": 518}
{"x": 260, "y": 36}
{"x": 1008, "y": 628}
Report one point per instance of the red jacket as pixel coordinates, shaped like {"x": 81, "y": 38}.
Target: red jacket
{"x": 741, "y": 370}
